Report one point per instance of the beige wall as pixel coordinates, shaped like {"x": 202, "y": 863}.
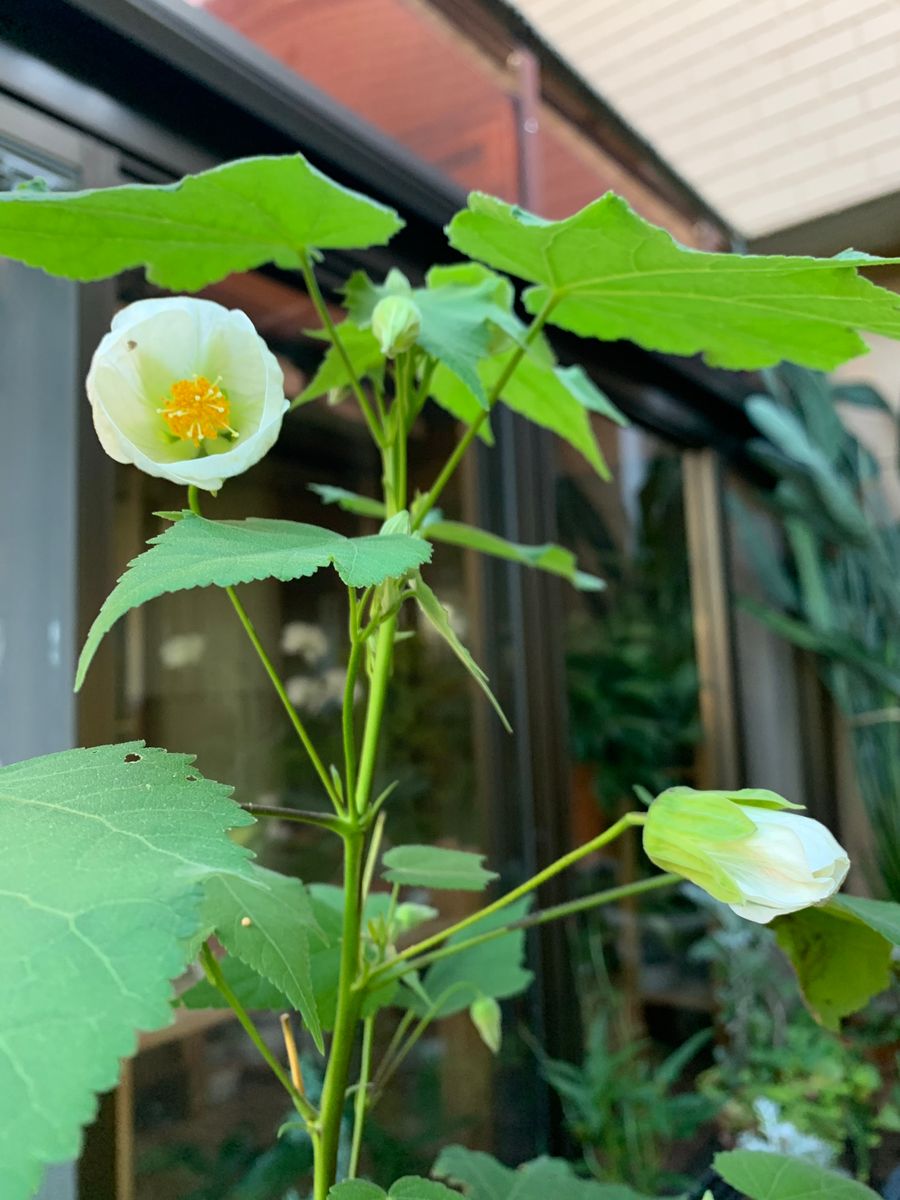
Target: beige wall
{"x": 776, "y": 110}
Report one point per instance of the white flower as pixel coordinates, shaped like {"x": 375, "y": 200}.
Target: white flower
{"x": 187, "y": 390}
{"x": 744, "y": 849}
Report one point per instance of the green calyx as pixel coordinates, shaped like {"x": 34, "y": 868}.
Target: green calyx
{"x": 684, "y": 826}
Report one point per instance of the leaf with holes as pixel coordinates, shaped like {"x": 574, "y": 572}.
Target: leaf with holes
{"x": 191, "y": 233}
{"x": 436, "y": 867}
{"x": 482, "y": 1177}
{"x": 608, "y": 273}
{"x": 196, "y": 553}
{"x": 762, "y": 1176}
{"x": 105, "y": 852}
{"x": 266, "y": 920}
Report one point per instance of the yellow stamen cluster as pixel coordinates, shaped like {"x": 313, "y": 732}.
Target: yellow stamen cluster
{"x": 196, "y": 409}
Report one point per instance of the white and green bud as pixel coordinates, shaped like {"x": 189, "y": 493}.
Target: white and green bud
{"x": 745, "y": 849}
{"x": 396, "y": 323}
{"x": 488, "y": 1020}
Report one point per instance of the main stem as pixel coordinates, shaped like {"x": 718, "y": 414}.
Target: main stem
{"x": 359, "y": 797}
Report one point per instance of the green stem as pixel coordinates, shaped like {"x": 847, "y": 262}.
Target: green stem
{"x": 432, "y": 496}
{"x": 315, "y": 294}
{"x": 556, "y": 913}
{"x": 555, "y": 868}
{"x": 346, "y": 1017}
{"x": 361, "y": 1100}
{"x": 381, "y": 674}
{"x": 329, "y": 821}
{"x": 214, "y": 974}
{"x": 293, "y": 715}
{"x": 349, "y": 732}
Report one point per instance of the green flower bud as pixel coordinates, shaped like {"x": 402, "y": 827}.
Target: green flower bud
{"x": 396, "y": 322}
{"x": 745, "y": 850}
{"x": 487, "y": 1019}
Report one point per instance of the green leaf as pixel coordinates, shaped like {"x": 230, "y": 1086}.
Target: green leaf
{"x": 881, "y": 915}
{"x": 436, "y": 867}
{"x": 763, "y": 1176}
{"x": 191, "y": 233}
{"x": 363, "y": 506}
{"x": 840, "y": 962}
{"x": 786, "y": 432}
{"x": 266, "y": 922}
{"x": 459, "y": 321}
{"x": 365, "y": 358}
{"x": 409, "y": 1188}
{"x": 437, "y": 615}
{"x": 195, "y": 552}
{"x": 449, "y": 391}
{"x": 613, "y": 275}
{"x": 493, "y": 968}
{"x": 356, "y": 1189}
{"x": 548, "y": 557}
{"x": 104, "y": 854}
{"x": 255, "y": 993}
{"x": 482, "y": 1177}
{"x": 832, "y": 644}
{"x": 554, "y": 398}
{"x": 325, "y": 958}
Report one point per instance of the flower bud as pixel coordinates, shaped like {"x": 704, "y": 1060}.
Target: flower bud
{"x": 396, "y": 323}
{"x": 745, "y": 850}
{"x": 488, "y": 1020}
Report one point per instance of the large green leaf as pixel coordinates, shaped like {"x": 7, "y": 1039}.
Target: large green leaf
{"x": 840, "y": 962}
{"x": 436, "y": 867}
{"x": 494, "y": 968}
{"x": 762, "y": 1176}
{"x": 482, "y": 1177}
{"x": 266, "y": 921}
{"x": 194, "y": 552}
{"x": 191, "y": 233}
{"x": 104, "y": 854}
{"x": 548, "y": 557}
{"x": 613, "y": 275}
{"x": 439, "y": 619}
{"x": 411, "y": 1187}
{"x": 881, "y": 915}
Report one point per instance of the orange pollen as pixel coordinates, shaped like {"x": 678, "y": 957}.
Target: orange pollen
{"x": 196, "y": 409}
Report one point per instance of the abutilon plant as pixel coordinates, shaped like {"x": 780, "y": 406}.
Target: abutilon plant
{"x": 117, "y": 870}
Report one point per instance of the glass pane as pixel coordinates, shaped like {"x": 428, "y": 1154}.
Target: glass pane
{"x": 37, "y": 493}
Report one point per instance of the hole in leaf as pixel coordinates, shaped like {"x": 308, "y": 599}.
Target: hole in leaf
{"x": 130, "y": 758}
{"x": 191, "y": 778}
